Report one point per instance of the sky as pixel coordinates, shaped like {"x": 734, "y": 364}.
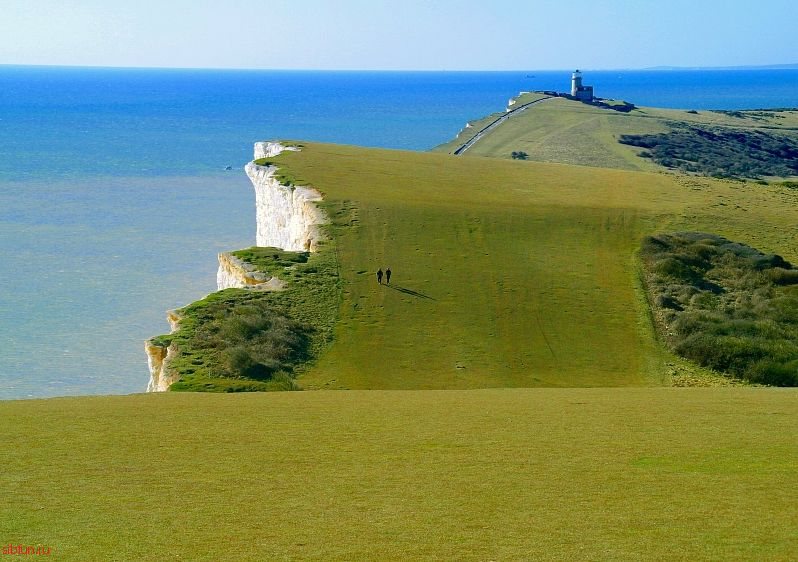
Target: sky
{"x": 398, "y": 35}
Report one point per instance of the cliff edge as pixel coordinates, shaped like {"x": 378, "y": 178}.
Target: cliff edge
{"x": 287, "y": 218}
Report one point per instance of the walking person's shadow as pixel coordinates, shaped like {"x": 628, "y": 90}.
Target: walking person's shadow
{"x": 410, "y": 292}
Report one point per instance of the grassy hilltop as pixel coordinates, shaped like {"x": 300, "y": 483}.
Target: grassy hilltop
{"x": 507, "y": 274}
{"x": 754, "y": 143}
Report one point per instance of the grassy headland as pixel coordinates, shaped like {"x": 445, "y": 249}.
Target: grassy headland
{"x": 506, "y": 274}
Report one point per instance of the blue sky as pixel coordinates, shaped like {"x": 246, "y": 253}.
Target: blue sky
{"x": 411, "y": 34}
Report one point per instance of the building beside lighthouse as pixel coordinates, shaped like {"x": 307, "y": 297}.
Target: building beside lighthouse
{"x": 580, "y": 92}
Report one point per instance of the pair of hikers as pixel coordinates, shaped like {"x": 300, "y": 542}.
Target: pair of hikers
{"x": 387, "y": 276}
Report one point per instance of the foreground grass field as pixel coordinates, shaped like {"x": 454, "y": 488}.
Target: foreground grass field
{"x": 507, "y": 274}
{"x": 537, "y": 474}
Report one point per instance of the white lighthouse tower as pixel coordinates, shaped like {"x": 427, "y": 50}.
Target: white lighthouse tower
{"x": 580, "y": 92}
{"x": 576, "y": 82}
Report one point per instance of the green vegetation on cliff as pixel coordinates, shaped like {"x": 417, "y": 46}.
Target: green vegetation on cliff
{"x": 249, "y": 340}
{"x": 273, "y": 261}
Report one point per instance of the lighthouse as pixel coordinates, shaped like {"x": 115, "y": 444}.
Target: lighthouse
{"x": 576, "y": 82}
{"x": 580, "y": 92}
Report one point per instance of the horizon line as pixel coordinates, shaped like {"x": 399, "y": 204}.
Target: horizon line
{"x": 775, "y": 66}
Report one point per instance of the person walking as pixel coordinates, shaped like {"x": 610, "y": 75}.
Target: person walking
{"x": 379, "y": 276}
{"x": 388, "y": 275}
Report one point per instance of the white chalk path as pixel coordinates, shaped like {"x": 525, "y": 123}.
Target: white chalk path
{"x": 494, "y": 124}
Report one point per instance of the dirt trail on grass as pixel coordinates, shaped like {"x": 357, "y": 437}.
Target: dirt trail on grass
{"x": 462, "y": 148}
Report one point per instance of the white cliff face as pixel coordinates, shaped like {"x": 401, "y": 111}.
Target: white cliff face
{"x": 287, "y": 216}
{"x": 234, "y": 273}
{"x": 269, "y": 149}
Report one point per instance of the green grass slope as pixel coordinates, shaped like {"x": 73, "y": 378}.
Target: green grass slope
{"x": 539, "y": 474}
{"x": 571, "y": 132}
{"x": 506, "y": 274}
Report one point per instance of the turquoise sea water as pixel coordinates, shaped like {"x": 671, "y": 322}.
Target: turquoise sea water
{"x": 114, "y": 200}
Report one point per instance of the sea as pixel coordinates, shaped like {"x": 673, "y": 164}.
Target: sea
{"x": 115, "y": 192}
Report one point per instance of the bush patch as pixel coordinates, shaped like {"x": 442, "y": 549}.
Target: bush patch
{"x": 724, "y": 153}
{"x": 724, "y": 305}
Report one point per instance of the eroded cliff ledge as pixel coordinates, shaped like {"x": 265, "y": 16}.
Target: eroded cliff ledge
{"x": 159, "y": 354}
{"x": 238, "y": 274}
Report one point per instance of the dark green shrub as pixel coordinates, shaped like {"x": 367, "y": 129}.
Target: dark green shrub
{"x": 704, "y": 300}
{"x": 784, "y": 310}
{"x": 241, "y": 364}
{"x": 728, "y": 353}
{"x": 243, "y": 328}
{"x": 768, "y": 262}
{"x": 774, "y": 373}
{"x": 696, "y": 321}
{"x": 664, "y": 301}
{"x": 674, "y": 268}
{"x": 781, "y": 276}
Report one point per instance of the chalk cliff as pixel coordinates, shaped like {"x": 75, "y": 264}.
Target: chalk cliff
{"x": 268, "y": 149}
{"x": 287, "y": 217}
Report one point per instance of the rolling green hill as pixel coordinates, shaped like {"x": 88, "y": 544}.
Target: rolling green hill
{"x": 507, "y": 273}
{"x": 571, "y": 132}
